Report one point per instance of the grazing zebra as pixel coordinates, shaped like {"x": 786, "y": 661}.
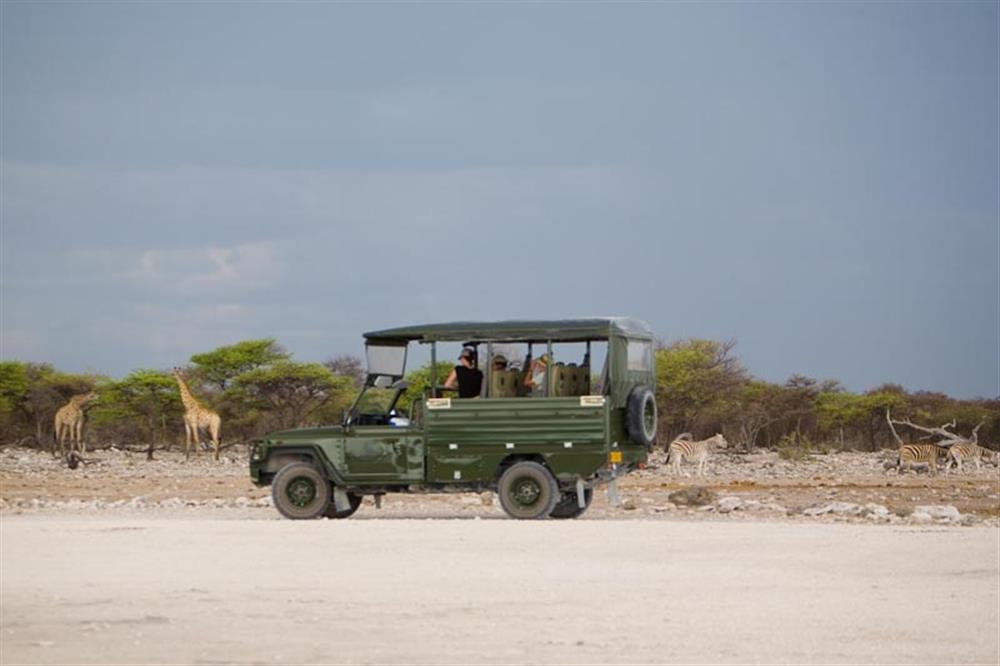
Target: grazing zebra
{"x": 969, "y": 451}
{"x": 928, "y": 454}
{"x": 683, "y": 447}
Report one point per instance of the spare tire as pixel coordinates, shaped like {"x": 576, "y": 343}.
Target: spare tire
{"x": 640, "y": 415}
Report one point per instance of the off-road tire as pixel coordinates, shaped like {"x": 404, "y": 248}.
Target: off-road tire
{"x": 331, "y": 509}
{"x": 568, "y": 507}
{"x": 640, "y": 415}
{"x": 528, "y": 491}
{"x": 300, "y": 491}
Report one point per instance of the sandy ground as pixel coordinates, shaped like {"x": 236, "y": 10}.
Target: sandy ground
{"x": 140, "y": 589}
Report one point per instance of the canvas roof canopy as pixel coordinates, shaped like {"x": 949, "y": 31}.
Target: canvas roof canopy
{"x": 565, "y": 330}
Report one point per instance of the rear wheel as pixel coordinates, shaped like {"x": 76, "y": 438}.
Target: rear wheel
{"x": 300, "y": 491}
{"x": 355, "y": 502}
{"x": 569, "y": 507}
{"x": 528, "y": 491}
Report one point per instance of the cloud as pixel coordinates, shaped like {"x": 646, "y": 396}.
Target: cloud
{"x": 249, "y": 264}
{"x": 243, "y": 265}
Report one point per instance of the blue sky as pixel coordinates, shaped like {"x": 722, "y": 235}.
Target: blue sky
{"x": 818, "y": 181}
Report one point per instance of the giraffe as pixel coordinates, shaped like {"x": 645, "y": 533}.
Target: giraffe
{"x": 196, "y": 418}
{"x": 69, "y": 423}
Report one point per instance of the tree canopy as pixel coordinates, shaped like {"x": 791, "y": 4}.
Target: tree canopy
{"x": 224, "y": 364}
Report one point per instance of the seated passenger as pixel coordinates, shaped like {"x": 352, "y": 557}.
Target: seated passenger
{"x": 534, "y": 378}
{"x": 465, "y": 376}
{"x": 499, "y": 362}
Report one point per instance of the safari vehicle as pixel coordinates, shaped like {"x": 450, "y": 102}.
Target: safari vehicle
{"x": 543, "y": 455}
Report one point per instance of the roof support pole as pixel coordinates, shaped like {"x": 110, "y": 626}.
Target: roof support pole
{"x": 434, "y": 369}
{"x": 489, "y": 370}
{"x": 548, "y": 370}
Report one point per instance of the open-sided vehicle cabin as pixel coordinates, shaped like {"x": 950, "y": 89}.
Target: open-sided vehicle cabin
{"x": 542, "y": 433}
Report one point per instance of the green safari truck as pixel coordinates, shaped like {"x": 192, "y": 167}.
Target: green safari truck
{"x": 542, "y": 436}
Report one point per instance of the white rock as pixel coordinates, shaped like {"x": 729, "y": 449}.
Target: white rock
{"x": 844, "y": 508}
{"x": 875, "y": 510}
{"x": 920, "y": 518}
{"x": 945, "y": 511}
{"x": 727, "y": 504}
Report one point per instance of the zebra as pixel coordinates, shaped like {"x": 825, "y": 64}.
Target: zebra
{"x": 682, "y": 447}
{"x": 969, "y": 451}
{"x": 928, "y": 454}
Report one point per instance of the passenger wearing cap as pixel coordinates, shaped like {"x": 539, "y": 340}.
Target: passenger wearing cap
{"x": 499, "y": 362}
{"x": 465, "y": 376}
{"x": 534, "y": 379}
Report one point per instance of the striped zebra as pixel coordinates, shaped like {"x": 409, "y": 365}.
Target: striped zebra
{"x": 969, "y": 451}
{"x": 682, "y": 447}
{"x": 914, "y": 454}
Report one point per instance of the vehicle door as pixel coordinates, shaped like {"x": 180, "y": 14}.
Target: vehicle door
{"x": 384, "y": 453}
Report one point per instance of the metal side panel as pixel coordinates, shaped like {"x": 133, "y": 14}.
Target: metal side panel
{"x": 473, "y": 436}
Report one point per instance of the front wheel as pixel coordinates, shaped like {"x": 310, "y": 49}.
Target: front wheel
{"x": 528, "y": 491}
{"x": 569, "y": 507}
{"x": 355, "y": 502}
{"x": 300, "y": 492}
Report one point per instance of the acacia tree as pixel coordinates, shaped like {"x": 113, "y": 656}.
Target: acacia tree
{"x": 139, "y": 407}
{"x": 222, "y": 365}
{"x": 698, "y": 382}
{"x": 30, "y": 395}
{"x": 347, "y": 365}
{"x": 799, "y": 401}
{"x": 420, "y": 382}
{"x": 758, "y": 407}
{"x": 875, "y": 404}
{"x": 14, "y": 385}
{"x": 288, "y": 394}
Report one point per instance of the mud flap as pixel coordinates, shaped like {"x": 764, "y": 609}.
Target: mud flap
{"x": 613, "y": 498}
{"x": 580, "y": 501}
{"x": 340, "y": 500}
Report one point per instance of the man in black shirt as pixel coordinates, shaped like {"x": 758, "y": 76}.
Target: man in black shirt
{"x": 465, "y": 376}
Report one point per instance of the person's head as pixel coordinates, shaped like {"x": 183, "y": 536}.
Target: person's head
{"x": 467, "y": 357}
{"x": 544, "y": 359}
{"x": 499, "y": 362}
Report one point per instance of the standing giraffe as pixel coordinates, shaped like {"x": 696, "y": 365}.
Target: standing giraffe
{"x": 69, "y": 423}
{"x": 196, "y": 418}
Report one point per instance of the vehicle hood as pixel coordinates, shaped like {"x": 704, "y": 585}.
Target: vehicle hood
{"x": 308, "y": 433}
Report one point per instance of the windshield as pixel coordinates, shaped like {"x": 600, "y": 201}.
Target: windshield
{"x": 375, "y": 400}
{"x": 386, "y": 360}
